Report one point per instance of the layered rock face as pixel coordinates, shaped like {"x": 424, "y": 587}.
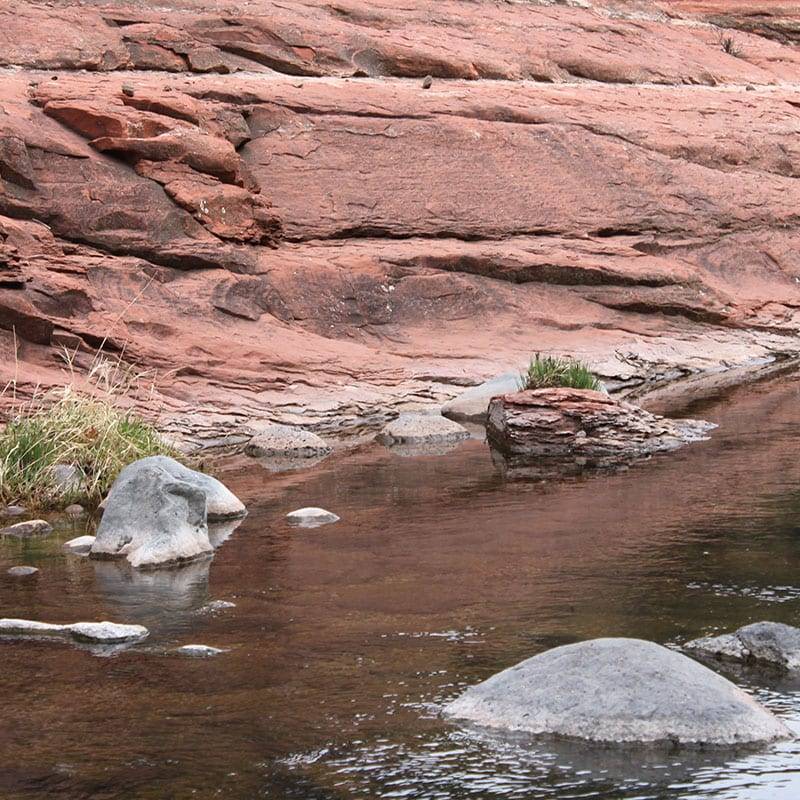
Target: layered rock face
{"x": 582, "y": 423}
{"x": 264, "y": 206}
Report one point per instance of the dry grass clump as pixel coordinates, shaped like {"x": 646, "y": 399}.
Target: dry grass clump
{"x": 548, "y": 372}
{"x": 86, "y": 429}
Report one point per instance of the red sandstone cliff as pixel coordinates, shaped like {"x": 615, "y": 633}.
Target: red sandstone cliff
{"x": 261, "y": 202}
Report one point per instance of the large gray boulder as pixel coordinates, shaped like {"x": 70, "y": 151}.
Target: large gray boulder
{"x": 221, "y": 502}
{"x": 472, "y": 404}
{"x": 157, "y": 513}
{"x": 762, "y": 642}
{"x": 618, "y": 690}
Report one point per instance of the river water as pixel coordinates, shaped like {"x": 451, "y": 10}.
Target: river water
{"x": 346, "y": 639}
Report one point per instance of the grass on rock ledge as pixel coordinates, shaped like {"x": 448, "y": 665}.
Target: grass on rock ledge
{"x": 550, "y": 372}
{"x": 86, "y": 430}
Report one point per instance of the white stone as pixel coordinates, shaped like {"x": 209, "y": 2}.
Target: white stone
{"x": 80, "y": 545}
{"x": 22, "y": 572}
{"x": 311, "y": 517}
{"x": 99, "y": 632}
{"x": 106, "y": 632}
{"x": 199, "y": 650}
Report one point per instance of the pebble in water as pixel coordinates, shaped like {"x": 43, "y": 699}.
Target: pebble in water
{"x": 311, "y": 516}
{"x": 22, "y": 572}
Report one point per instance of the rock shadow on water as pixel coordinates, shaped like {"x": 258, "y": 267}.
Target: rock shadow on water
{"x": 165, "y": 600}
{"x": 553, "y": 468}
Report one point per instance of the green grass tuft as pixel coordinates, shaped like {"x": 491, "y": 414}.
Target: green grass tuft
{"x": 84, "y": 429}
{"x": 548, "y": 372}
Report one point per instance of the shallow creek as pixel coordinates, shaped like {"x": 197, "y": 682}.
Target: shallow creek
{"x": 345, "y": 639}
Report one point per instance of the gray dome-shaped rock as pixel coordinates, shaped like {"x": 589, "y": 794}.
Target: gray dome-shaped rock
{"x": 618, "y": 690}
{"x": 286, "y": 440}
{"x": 422, "y": 429}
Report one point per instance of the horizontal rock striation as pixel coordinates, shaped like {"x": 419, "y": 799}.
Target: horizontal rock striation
{"x": 582, "y": 423}
{"x": 263, "y": 205}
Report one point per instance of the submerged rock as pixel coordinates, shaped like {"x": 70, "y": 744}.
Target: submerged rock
{"x": 762, "y": 642}
{"x": 311, "y": 517}
{"x": 472, "y": 405}
{"x": 285, "y": 440}
{"x": 95, "y": 632}
{"x": 421, "y": 429}
{"x": 157, "y": 513}
{"x": 582, "y": 423}
{"x": 22, "y": 572}
{"x": 199, "y": 650}
{"x": 216, "y": 605}
{"x": 33, "y": 527}
{"x": 618, "y": 690}
{"x": 81, "y": 545}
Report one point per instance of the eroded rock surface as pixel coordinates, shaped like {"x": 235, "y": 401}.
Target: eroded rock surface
{"x": 618, "y": 690}
{"x": 416, "y": 429}
{"x": 582, "y": 422}
{"x": 771, "y": 643}
{"x": 286, "y": 441}
{"x": 264, "y": 204}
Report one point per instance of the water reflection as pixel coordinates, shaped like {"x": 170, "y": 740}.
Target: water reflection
{"x": 345, "y": 640}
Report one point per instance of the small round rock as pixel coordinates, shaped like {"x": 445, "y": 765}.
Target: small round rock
{"x": 199, "y": 651}
{"x": 311, "y": 517}
{"x": 22, "y": 572}
{"x": 75, "y": 510}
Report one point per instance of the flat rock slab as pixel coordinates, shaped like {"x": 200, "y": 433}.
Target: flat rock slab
{"x": 771, "y": 643}
{"x": 583, "y": 423}
{"x": 199, "y": 651}
{"x": 286, "y": 440}
{"x": 94, "y": 632}
{"x": 618, "y": 690}
{"x": 311, "y": 517}
{"x": 33, "y": 527}
{"x": 22, "y": 572}
{"x": 421, "y": 429}
{"x": 472, "y": 405}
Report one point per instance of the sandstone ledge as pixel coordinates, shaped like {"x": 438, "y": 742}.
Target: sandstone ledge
{"x": 581, "y": 422}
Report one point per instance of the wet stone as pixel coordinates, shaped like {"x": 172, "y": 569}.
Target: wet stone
{"x": 33, "y": 527}
{"x": 311, "y": 517}
{"x": 22, "y": 572}
{"x": 199, "y": 651}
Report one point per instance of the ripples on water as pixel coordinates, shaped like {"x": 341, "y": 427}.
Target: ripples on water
{"x": 346, "y": 640}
